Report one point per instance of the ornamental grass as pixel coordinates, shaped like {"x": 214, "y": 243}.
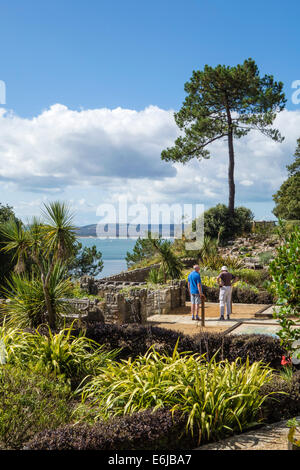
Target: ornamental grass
{"x": 217, "y": 398}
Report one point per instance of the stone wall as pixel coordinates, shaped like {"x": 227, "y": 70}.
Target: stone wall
{"x": 126, "y": 302}
{"x": 137, "y": 305}
{"x": 135, "y": 275}
{"x": 127, "y": 299}
{"x": 141, "y": 274}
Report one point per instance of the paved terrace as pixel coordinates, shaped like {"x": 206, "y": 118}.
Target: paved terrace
{"x": 245, "y": 319}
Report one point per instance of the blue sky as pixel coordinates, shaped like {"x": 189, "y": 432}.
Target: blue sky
{"x": 61, "y": 57}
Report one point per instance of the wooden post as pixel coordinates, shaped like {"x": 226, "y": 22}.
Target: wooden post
{"x": 202, "y": 311}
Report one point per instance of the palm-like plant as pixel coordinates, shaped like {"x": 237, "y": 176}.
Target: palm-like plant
{"x": 26, "y": 306}
{"x": 171, "y": 266}
{"x": 45, "y": 244}
{"x": 18, "y": 241}
{"x": 59, "y": 231}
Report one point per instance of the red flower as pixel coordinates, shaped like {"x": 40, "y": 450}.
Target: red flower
{"x": 286, "y": 361}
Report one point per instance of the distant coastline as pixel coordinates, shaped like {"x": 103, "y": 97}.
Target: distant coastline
{"x": 122, "y": 231}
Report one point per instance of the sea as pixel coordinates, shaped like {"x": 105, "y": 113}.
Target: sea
{"x": 113, "y": 253}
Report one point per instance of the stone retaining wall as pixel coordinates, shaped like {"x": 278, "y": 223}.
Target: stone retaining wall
{"x": 126, "y": 302}
{"x": 141, "y": 274}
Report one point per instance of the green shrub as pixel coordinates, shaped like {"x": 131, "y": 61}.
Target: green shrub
{"x": 26, "y": 307}
{"x": 217, "y": 398}
{"x": 221, "y": 225}
{"x": 283, "y": 400}
{"x": 155, "y": 276}
{"x": 254, "y": 277}
{"x": 30, "y": 401}
{"x": 60, "y": 353}
{"x": 146, "y": 430}
{"x": 253, "y": 348}
{"x": 78, "y": 293}
{"x": 266, "y": 257}
{"x": 285, "y": 272}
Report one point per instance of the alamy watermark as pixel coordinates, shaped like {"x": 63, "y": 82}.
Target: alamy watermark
{"x": 2, "y": 92}
{"x": 2, "y": 353}
{"x": 124, "y": 220}
{"x": 296, "y": 94}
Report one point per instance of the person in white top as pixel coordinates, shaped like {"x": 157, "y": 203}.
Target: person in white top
{"x": 225, "y": 281}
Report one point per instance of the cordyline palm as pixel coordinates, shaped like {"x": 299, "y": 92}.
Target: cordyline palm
{"x": 27, "y": 306}
{"x": 45, "y": 243}
{"x": 171, "y": 266}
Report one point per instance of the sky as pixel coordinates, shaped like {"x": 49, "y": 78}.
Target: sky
{"x": 91, "y": 88}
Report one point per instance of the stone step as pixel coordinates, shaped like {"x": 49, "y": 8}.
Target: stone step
{"x": 266, "y": 312}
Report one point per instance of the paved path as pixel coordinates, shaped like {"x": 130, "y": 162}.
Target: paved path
{"x": 270, "y": 437}
{"x": 240, "y": 322}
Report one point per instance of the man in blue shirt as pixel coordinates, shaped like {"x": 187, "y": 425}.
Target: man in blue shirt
{"x": 195, "y": 289}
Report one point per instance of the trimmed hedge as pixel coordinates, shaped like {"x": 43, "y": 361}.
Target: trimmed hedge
{"x": 239, "y": 295}
{"x": 279, "y": 406}
{"x": 137, "y": 339}
{"x": 146, "y": 430}
{"x": 256, "y": 347}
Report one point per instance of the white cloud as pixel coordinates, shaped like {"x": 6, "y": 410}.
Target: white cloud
{"x": 118, "y": 152}
{"x": 63, "y": 147}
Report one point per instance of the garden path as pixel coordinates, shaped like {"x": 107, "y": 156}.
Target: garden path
{"x": 245, "y": 318}
{"x": 270, "y": 437}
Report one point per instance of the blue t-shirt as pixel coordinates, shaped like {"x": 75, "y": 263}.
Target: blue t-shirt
{"x": 194, "y": 279}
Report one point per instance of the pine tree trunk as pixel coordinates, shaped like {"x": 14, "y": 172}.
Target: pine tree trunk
{"x": 231, "y": 161}
{"x": 231, "y": 174}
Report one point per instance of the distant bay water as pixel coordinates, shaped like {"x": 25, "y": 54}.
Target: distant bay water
{"x": 113, "y": 253}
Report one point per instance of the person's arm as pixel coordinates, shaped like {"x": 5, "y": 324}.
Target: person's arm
{"x": 234, "y": 280}
{"x": 199, "y": 285}
{"x": 219, "y": 280}
{"x": 189, "y": 286}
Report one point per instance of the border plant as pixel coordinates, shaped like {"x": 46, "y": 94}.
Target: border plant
{"x": 217, "y": 398}
{"x": 44, "y": 244}
{"x": 285, "y": 272}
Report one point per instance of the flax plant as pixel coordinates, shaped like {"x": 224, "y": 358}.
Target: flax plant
{"x": 217, "y": 398}
{"x": 60, "y": 353}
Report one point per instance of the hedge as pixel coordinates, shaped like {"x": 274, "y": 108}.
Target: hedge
{"x": 239, "y": 295}
{"x": 137, "y": 339}
{"x": 279, "y": 406}
{"x": 146, "y": 430}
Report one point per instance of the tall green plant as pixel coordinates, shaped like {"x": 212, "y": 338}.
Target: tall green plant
{"x": 44, "y": 243}
{"x": 225, "y": 103}
{"x": 26, "y": 306}
{"x": 171, "y": 266}
{"x": 216, "y": 397}
{"x": 60, "y": 353}
{"x": 285, "y": 273}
